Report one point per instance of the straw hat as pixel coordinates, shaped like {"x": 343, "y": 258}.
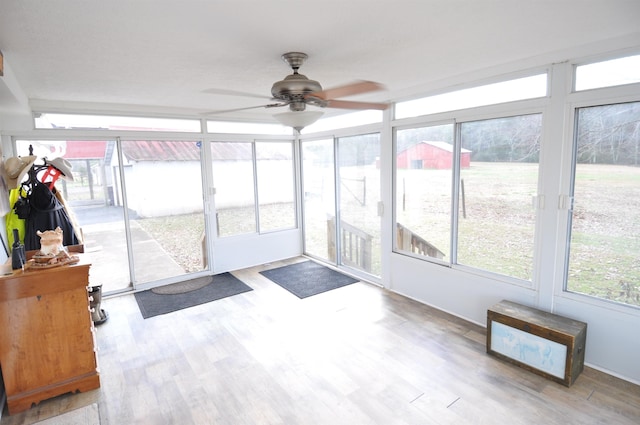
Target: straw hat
{"x": 15, "y": 168}
{"x": 63, "y": 166}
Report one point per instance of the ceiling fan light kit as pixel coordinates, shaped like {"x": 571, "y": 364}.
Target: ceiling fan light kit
{"x": 298, "y": 119}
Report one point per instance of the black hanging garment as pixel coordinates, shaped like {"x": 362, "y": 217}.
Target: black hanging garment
{"x": 46, "y": 213}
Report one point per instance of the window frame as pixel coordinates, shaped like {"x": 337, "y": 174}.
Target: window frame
{"x": 256, "y": 200}
{"x": 571, "y": 102}
{"x": 505, "y": 110}
{"x": 582, "y": 99}
{"x": 537, "y": 105}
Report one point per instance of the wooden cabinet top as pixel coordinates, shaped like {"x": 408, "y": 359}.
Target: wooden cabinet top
{"x": 15, "y": 284}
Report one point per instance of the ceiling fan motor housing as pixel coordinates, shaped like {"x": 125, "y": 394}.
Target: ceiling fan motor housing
{"x": 294, "y": 87}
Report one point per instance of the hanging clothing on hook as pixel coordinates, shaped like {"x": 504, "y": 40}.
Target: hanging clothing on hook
{"x": 13, "y": 172}
{"x": 36, "y": 202}
{"x": 12, "y": 220}
{"x": 61, "y": 168}
{"x": 47, "y": 213}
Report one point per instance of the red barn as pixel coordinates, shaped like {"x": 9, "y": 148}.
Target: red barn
{"x": 85, "y": 149}
{"x": 436, "y": 155}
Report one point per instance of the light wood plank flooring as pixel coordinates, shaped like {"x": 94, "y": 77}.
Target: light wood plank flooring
{"x": 355, "y": 355}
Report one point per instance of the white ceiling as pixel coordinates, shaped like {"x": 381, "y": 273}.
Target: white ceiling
{"x": 161, "y": 56}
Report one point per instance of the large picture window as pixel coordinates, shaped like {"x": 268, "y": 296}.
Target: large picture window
{"x": 497, "y": 165}
{"x": 603, "y": 256}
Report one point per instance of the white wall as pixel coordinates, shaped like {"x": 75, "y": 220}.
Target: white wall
{"x": 454, "y": 291}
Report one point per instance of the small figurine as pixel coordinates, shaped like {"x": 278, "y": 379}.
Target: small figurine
{"x": 50, "y": 241}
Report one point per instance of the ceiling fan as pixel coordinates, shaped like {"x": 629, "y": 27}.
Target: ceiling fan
{"x": 297, "y": 91}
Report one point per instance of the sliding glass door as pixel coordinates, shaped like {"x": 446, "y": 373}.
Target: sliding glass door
{"x": 163, "y": 192}
{"x": 318, "y": 184}
{"x": 359, "y": 196}
{"x": 138, "y": 206}
{"x": 350, "y": 234}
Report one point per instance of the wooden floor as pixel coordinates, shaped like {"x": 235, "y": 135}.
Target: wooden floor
{"x": 355, "y": 355}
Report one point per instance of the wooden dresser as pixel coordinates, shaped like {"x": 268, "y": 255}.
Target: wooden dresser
{"x": 47, "y": 338}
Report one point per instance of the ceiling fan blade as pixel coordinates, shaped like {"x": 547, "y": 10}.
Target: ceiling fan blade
{"x": 358, "y": 87}
{"x": 346, "y": 104}
{"x": 226, "y": 92}
{"x": 224, "y": 111}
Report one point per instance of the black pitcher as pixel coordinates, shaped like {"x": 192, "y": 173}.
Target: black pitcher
{"x": 18, "y": 257}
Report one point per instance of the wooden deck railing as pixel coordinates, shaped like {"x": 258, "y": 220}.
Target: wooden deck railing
{"x": 355, "y": 244}
{"x": 409, "y": 241}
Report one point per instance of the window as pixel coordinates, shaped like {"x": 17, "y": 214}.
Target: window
{"x": 247, "y": 128}
{"x": 235, "y": 183}
{"x": 112, "y": 122}
{"x": 346, "y": 120}
{"x": 610, "y": 73}
{"x": 498, "y": 177}
{"x": 233, "y": 179}
{"x": 603, "y": 258}
{"x": 498, "y": 167}
{"x": 424, "y": 167}
{"x": 490, "y": 94}
{"x": 276, "y": 185}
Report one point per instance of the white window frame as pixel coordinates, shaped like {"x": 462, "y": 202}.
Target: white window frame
{"x": 506, "y": 110}
{"x": 572, "y": 101}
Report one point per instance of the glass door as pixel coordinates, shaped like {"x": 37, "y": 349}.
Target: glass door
{"x": 137, "y": 205}
{"x": 319, "y": 208}
{"x": 350, "y": 235}
{"x": 164, "y": 200}
{"x": 359, "y": 196}
{"x": 88, "y": 195}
